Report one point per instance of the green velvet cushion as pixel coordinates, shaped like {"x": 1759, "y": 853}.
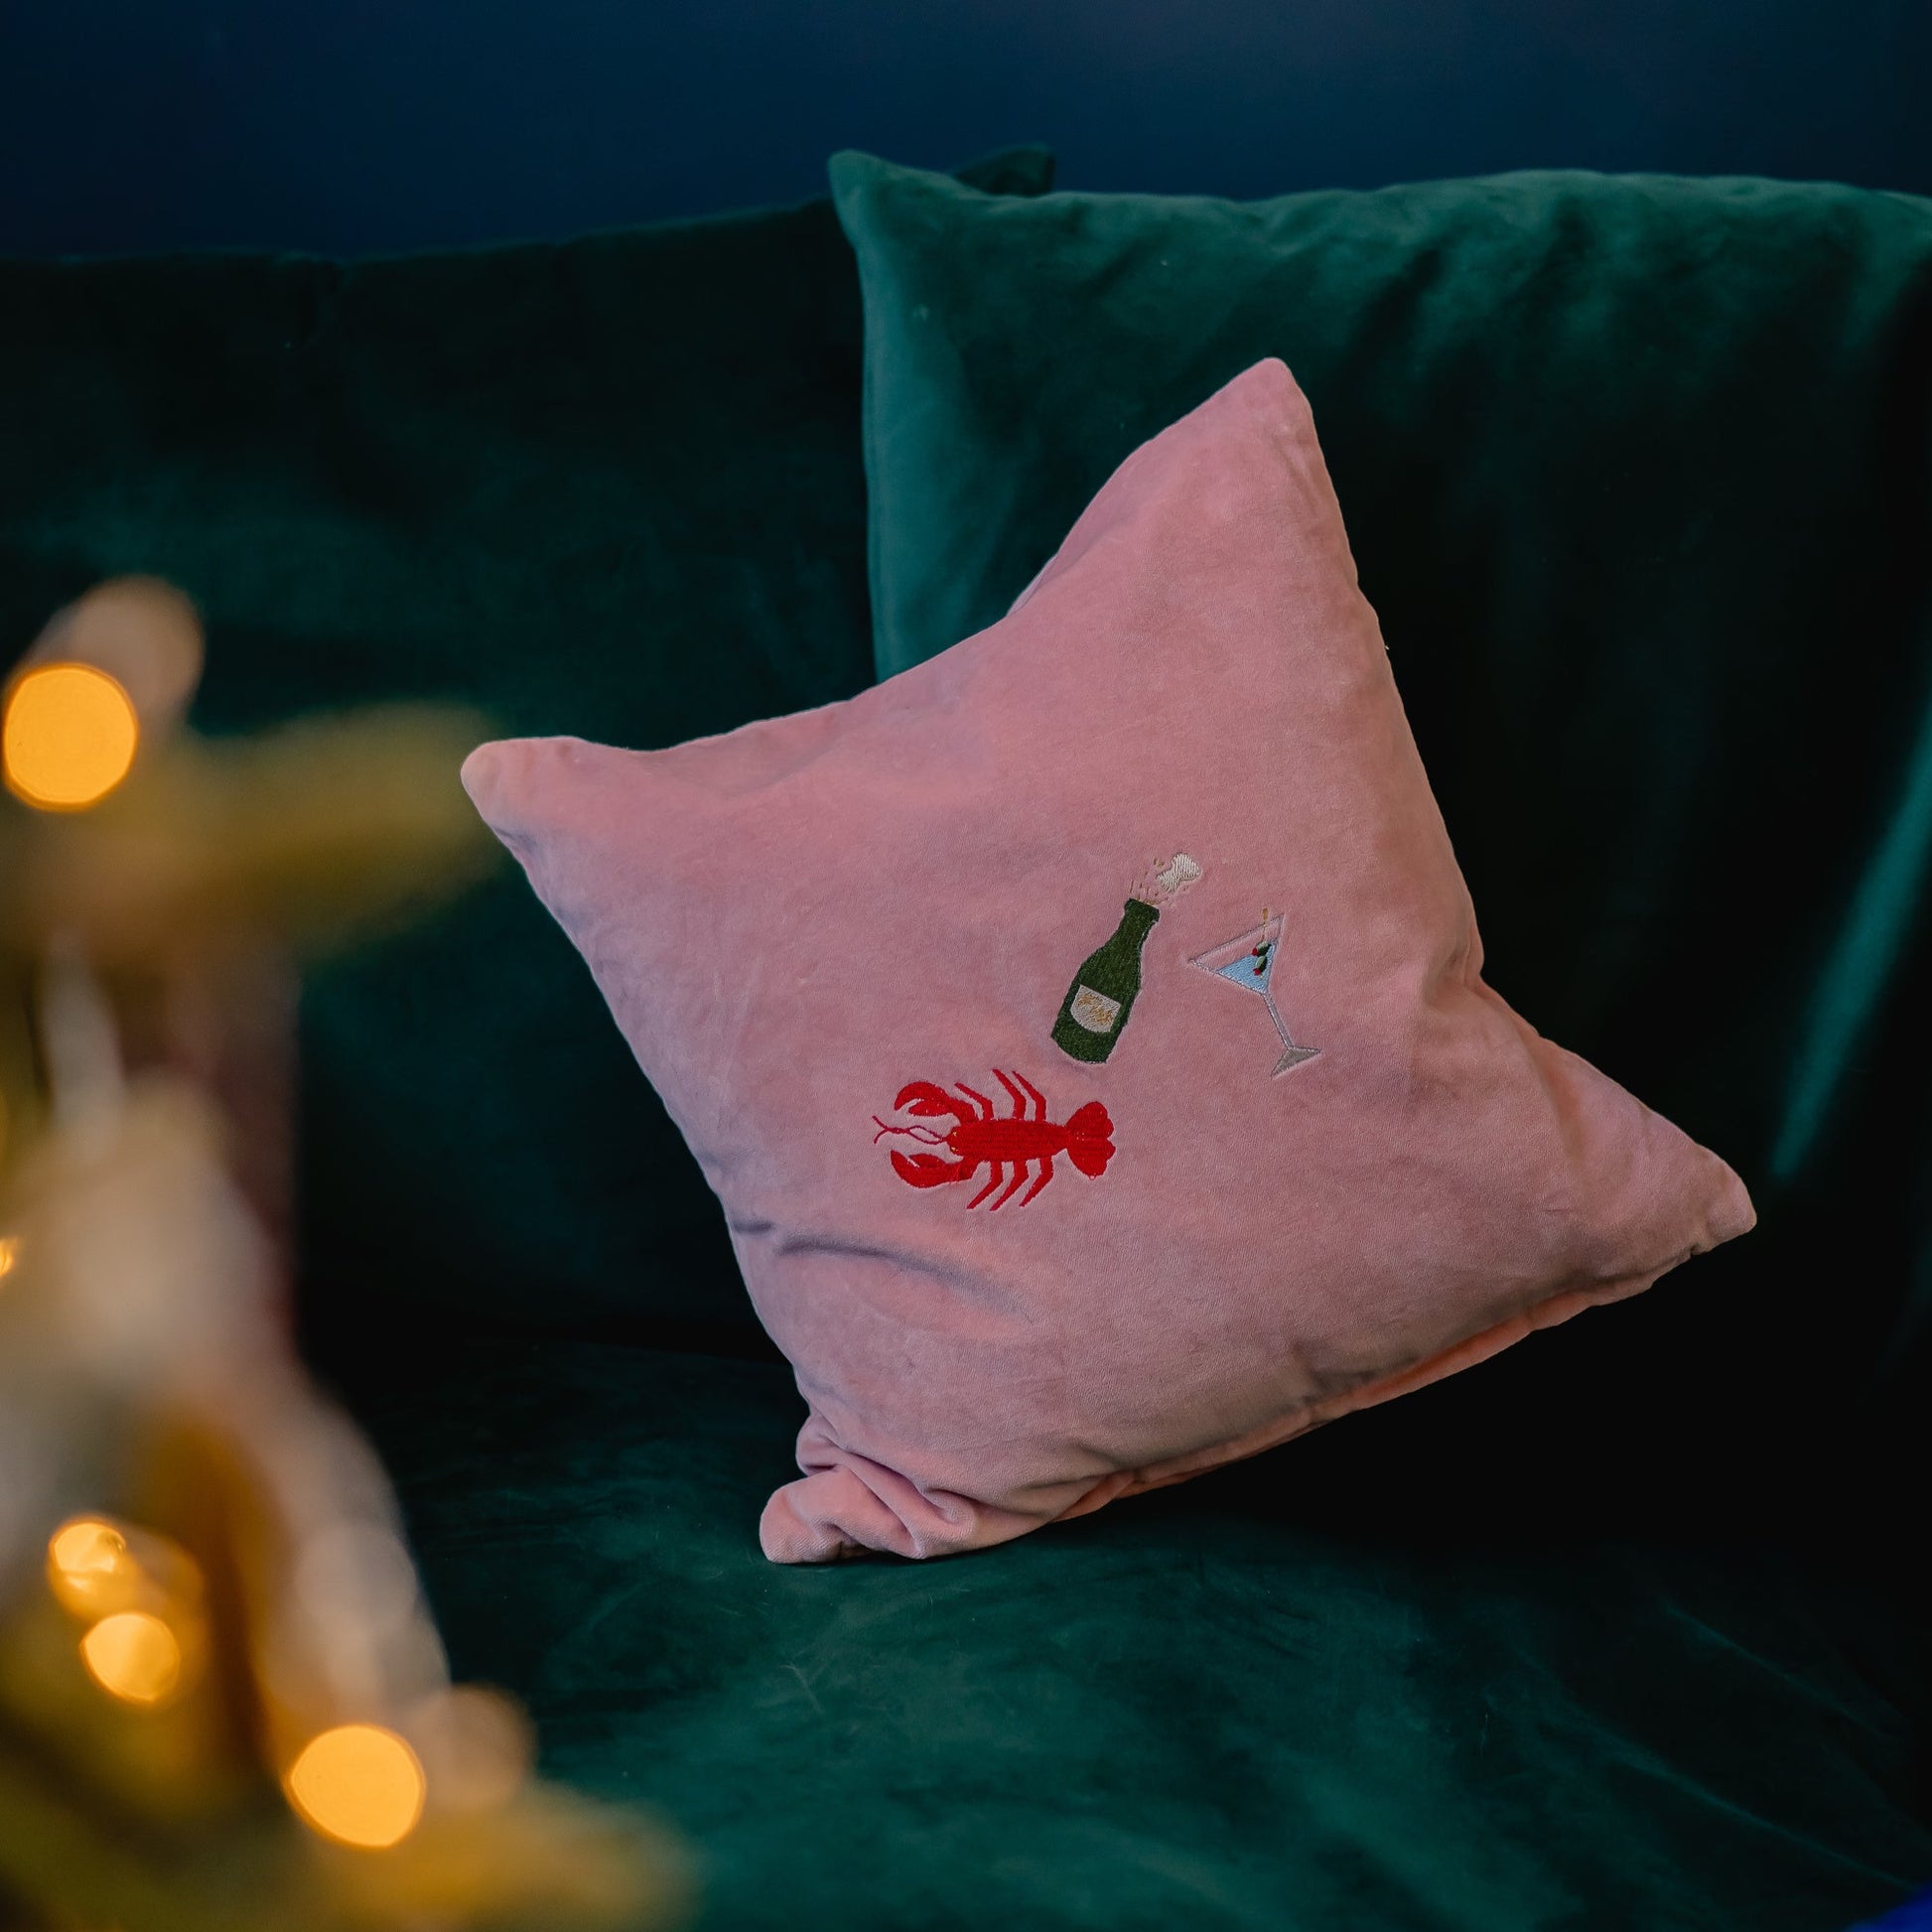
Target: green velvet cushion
{"x": 1639, "y": 475}
{"x": 611, "y": 487}
{"x": 1411, "y": 1708}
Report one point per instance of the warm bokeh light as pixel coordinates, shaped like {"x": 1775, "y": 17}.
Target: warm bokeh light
{"x": 68, "y": 738}
{"x": 133, "y": 1656}
{"x": 359, "y": 1784}
{"x": 87, "y": 1544}
{"x": 90, "y": 1566}
{"x": 97, "y": 1568}
{"x": 9, "y": 1254}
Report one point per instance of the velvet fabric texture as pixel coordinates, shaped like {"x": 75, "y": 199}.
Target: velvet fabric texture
{"x": 1248, "y": 1233}
{"x": 1383, "y": 1679}
{"x": 612, "y": 484}
{"x": 1639, "y": 475}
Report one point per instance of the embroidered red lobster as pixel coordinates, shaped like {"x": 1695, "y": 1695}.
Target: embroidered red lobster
{"x": 1087, "y": 1140}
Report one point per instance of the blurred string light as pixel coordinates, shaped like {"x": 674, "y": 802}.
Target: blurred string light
{"x": 69, "y": 737}
{"x": 130, "y": 1648}
{"x": 358, "y": 1784}
{"x": 135, "y": 1239}
{"x": 134, "y": 1656}
{"x": 89, "y": 1566}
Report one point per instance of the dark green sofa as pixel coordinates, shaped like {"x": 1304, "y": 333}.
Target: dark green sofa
{"x": 1622, "y": 1630}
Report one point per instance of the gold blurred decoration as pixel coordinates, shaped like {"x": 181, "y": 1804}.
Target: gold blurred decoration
{"x": 89, "y": 1566}
{"x": 86, "y": 1548}
{"x": 481, "y": 1743}
{"x": 223, "y": 1704}
{"x": 144, "y": 634}
{"x": 69, "y": 737}
{"x": 358, "y": 1784}
{"x": 134, "y": 1656}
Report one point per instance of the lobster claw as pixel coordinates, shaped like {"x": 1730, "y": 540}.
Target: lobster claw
{"x": 925, "y": 1097}
{"x": 926, "y": 1170}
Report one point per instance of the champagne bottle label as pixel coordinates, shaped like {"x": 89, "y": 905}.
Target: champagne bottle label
{"x": 1094, "y": 1011}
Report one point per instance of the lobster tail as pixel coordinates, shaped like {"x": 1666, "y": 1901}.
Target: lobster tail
{"x": 1090, "y": 1139}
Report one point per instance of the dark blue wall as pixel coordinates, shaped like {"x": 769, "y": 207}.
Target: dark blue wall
{"x": 346, "y": 125}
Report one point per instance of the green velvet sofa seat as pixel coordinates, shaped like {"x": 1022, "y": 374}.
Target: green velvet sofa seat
{"x": 1622, "y": 1630}
{"x": 1359, "y": 1683}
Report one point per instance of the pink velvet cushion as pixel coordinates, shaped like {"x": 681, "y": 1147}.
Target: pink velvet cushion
{"x": 1085, "y": 1031}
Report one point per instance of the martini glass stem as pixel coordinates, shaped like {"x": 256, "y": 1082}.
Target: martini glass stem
{"x": 1274, "y": 1014}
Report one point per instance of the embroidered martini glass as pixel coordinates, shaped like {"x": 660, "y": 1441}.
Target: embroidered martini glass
{"x": 1248, "y": 961}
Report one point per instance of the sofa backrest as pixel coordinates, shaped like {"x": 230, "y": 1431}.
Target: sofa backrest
{"x": 611, "y": 487}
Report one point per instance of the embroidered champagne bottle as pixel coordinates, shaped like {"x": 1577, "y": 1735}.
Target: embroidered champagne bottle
{"x": 1097, "y": 1003}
